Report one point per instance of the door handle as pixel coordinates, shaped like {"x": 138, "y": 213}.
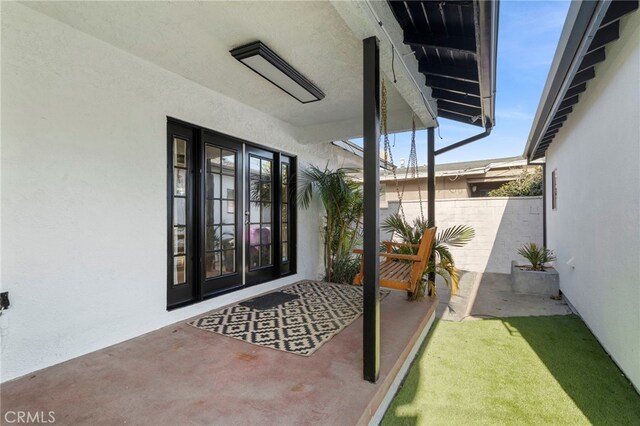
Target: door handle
{"x": 246, "y": 218}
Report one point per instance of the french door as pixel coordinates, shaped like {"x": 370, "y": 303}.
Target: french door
{"x": 261, "y": 234}
{"x": 221, "y": 218}
{"x": 231, "y": 210}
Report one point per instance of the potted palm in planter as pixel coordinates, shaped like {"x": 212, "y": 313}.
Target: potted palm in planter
{"x": 536, "y": 278}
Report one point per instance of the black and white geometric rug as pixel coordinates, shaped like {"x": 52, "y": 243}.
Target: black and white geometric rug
{"x": 298, "y": 326}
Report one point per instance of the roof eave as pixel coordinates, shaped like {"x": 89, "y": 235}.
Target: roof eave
{"x": 488, "y": 17}
{"x": 582, "y": 21}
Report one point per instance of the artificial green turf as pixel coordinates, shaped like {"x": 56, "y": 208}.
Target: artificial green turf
{"x": 524, "y": 370}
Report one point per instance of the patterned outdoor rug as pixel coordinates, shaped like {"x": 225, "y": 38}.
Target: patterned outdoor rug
{"x": 299, "y": 326}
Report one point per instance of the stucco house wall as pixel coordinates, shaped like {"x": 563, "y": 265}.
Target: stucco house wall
{"x": 595, "y": 229}
{"x": 84, "y": 199}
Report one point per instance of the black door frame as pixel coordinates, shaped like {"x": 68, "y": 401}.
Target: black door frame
{"x": 198, "y": 290}
{"x": 214, "y": 286}
{"x": 182, "y": 294}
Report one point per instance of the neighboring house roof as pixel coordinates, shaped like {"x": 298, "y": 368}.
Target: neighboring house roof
{"x": 460, "y": 168}
{"x": 589, "y": 27}
{"x": 455, "y": 43}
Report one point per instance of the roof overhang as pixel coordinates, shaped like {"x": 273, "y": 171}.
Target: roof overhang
{"x": 193, "y": 40}
{"x": 323, "y": 42}
{"x": 589, "y": 27}
{"x": 455, "y": 44}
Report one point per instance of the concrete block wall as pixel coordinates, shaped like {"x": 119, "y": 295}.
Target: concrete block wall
{"x": 502, "y": 226}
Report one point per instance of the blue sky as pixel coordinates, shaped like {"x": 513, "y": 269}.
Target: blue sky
{"x": 527, "y": 38}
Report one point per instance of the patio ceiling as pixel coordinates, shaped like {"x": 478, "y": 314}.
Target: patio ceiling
{"x": 193, "y": 39}
{"x": 455, "y": 43}
{"x": 589, "y": 27}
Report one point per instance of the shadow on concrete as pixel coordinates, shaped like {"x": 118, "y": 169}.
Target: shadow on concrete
{"x": 494, "y": 297}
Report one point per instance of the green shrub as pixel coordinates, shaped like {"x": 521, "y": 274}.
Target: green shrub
{"x": 527, "y": 185}
{"x": 345, "y": 268}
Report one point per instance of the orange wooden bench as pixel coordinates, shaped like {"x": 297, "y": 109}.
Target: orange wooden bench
{"x": 402, "y": 271}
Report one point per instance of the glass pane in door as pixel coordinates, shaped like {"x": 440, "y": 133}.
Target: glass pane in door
{"x": 180, "y": 198}
{"x": 220, "y": 217}
{"x": 260, "y": 213}
{"x": 284, "y": 215}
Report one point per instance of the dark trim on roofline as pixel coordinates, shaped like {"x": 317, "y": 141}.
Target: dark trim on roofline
{"x": 589, "y": 26}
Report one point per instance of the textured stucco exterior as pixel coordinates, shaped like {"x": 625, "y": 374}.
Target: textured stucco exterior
{"x": 595, "y": 229}
{"x": 502, "y": 226}
{"x": 84, "y": 213}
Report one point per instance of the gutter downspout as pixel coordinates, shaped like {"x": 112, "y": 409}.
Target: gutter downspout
{"x": 431, "y": 164}
{"x": 464, "y": 142}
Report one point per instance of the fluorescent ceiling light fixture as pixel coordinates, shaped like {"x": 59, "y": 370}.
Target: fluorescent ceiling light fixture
{"x": 265, "y": 62}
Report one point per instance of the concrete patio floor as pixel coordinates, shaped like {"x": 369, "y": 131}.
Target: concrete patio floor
{"x": 181, "y": 375}
{"x": 489, "y": 294}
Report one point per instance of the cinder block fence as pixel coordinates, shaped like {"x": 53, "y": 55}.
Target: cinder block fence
{"x": 502, "y": 226}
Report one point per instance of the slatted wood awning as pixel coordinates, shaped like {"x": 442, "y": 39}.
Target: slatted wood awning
{"x": 455, "y": 45}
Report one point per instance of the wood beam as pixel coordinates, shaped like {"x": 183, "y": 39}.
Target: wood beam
{"x": 458, "y": 73}
{"x": 590, "y": 59}
{"x": 618, "y": 9}
{"x": 459, "y": 117}
{"x": 555, "y": 126}
{"x": 452, "y": 43}
{"x": 457, "y": 98}
{"x": 575, "y": 90}
{"x": 582, "y": 76}
{"x": 568, "y": 102}
{"x": 451, "y": 85}
{"x": 558, "y": 120}
{"x": 443, "y": 105}
{"x": 605, "y": 35}
{"x": 562, "y": 112}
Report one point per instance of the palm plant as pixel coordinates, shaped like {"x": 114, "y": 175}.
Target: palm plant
{"x": 442, "y": 261}
{"x": 341, "y": 198}
{"x": 536, "y": 255}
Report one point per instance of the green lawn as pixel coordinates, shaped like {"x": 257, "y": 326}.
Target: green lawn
{"x": 525, "y": 370}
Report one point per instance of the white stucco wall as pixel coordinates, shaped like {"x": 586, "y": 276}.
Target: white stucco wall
{"x": 84, "y": 189}
{"x": 502, "y": 226}
{"x": 596, "y": 227}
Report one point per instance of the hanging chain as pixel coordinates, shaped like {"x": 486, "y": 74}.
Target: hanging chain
{"x": 413, "y": 164}
{"x": 388, "y": 156}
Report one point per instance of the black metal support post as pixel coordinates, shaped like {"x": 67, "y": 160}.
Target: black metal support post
{"x": 371, "y": 217}
{"x": 544, "y": 204}
{"x": 431, "y": 184}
